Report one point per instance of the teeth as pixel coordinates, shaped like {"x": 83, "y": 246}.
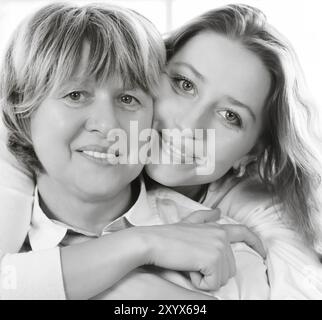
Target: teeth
{"x": 112, "y": 159}
{"x": 176, "y": 151}
{"x": 101, "y": 155}
{"x": 98, "y": 155}
{"x": 202, "y": 161}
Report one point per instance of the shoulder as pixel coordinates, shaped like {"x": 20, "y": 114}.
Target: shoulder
{"x": 233, "y": 192}
{"x": 249, "y": 202}
{"x": 252, "y": 190}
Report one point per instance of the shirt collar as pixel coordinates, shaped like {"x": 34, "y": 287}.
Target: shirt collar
{"x": 47, "y": 233}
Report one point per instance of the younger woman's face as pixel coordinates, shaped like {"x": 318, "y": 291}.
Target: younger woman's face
{"x": 212, "y": 82}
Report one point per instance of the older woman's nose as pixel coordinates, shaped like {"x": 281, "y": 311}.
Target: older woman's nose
{"x": 102, "y": 118}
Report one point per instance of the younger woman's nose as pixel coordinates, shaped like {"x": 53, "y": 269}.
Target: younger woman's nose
{"x": 196, "y": 117}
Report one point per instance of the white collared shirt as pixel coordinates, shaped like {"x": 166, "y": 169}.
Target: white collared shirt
{"x": 294, "y": 270}
{"x": 47, "y": 233}
{"x": 250, "y": 281}
{"x": 158, "y": 207}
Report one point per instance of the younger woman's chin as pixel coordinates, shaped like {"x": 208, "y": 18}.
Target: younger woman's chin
{"x": 170, "y": 176}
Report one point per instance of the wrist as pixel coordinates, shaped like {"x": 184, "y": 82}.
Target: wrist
{"x": 141, "y": 243}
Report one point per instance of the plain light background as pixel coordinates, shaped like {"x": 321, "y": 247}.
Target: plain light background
{"x": 298, "y": 20}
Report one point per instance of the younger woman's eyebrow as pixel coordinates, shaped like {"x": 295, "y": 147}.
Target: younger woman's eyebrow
{"x": 242, "y": 105}
{"x": 192, "y": 69}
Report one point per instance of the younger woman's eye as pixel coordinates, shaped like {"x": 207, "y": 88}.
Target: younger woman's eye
{"x": 186, "y": 85}
{"x": 183, "y": 84}
{"x": 231, "y": 117}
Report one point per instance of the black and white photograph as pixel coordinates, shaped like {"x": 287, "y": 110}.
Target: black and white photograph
{"x": 160, "y": 150}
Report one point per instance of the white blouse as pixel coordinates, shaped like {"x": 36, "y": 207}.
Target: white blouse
{"x": 294, "y": 270}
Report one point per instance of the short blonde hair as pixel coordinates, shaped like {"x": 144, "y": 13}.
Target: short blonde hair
{"x": 290, "y": 160}
{"x": 45, "y": 50}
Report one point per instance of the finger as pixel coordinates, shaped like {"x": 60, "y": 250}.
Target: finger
{"x": 206, "y": 282}
{"x": 231, "y": 263}
{"x": 195, "y": 277}
{"x": 203, "y": 216}
{"x": 211, "y": 280}
{"x": 226, "y": 265}
{"x": 240, "y": 233}
{"x": 216, "y": 215}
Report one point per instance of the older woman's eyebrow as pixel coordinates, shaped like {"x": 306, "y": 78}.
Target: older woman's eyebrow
{"x": 68, "y": 84}
{"x": 76, "y": 81}
{"x": 192, "y": 69}
{"x": 242, "y": 105}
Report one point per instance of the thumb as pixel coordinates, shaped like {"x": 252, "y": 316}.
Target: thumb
{"x": 203, "y": 216}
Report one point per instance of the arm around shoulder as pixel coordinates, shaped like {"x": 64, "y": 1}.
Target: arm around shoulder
{"x": 16, "y": 198}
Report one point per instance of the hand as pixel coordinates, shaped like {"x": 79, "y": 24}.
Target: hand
{"x": 241, "y": 233}
{"x": 234, "y": 232}
{"x": 200, "y": 247}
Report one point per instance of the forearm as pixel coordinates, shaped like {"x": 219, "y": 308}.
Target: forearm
{"x": 76, "y": 272}
{"x": 141, "y": 284}
{"x": 34, "y": 275}
{"x": 16, "y": 198}
{"x": 15, "y": 216}
{"x": 94, "y": 266}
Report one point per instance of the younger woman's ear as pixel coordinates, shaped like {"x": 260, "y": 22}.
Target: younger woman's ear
{"x": 251, "y": 156}
{"x": 244, "y": 161}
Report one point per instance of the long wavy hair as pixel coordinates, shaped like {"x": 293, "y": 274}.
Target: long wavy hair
{"x": 289, "y": 161}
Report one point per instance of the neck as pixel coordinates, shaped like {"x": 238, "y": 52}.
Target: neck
{"x": 192, "y": 192}
{"x": 91, "y": 215}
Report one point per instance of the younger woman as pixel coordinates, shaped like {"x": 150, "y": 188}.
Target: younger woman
{"x": 231, "y": 71}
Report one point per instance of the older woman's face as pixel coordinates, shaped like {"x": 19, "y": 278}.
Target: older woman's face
{"x": 70, "y": 128}
{"x": 212, "y": 82}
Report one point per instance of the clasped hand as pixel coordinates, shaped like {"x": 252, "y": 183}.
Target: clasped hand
{"x": 199, "y": 245}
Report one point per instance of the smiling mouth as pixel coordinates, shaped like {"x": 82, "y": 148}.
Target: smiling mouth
{"x": 100, "y": 155}
{"x": 175, "y": 151}
{"x": 108, "y": 157}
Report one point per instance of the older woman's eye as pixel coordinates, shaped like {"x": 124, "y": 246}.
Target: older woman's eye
{"x": 129, "y": 102}
{"x": 127, "y": 99}
{"x": 231, "y": 117}
{"x": 76, "y": 98}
